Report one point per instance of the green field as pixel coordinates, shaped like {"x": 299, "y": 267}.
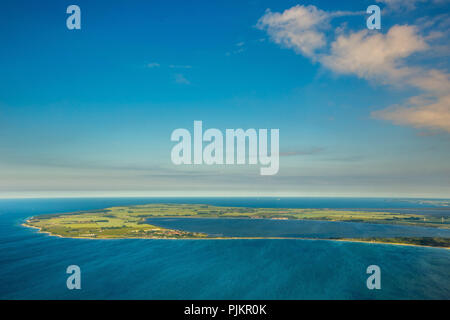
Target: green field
{"x": 130, "y": 221}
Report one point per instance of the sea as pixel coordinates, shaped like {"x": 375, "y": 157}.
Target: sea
{"x": 33, "y": 265}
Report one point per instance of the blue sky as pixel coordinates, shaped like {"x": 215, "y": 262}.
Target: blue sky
{"x": 90, "y": 111}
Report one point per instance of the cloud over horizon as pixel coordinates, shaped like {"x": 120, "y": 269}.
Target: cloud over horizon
{"x": 378, "y": 57}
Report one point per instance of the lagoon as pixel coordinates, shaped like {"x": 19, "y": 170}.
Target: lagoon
{"x": 243, "y": 227}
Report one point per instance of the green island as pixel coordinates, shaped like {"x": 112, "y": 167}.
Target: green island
{"x": 130, "y": 221}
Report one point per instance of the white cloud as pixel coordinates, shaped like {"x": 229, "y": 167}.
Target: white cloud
{"x": 301, "y": 28}
{"x": 430, "y": 110}
{"x": 375, "y": 55}
{"x": 240, "y": 47}
{"x": 153, "y": 65}
{"x": 298, "y": 28}
{"x": 435, "y": 116}
{"x": 401, "y": 4}
{"x": 434, "y": 81}
{"x": 382, "y": 58}
{"x": 396, "y": 5}
{"x": 303, "y": 152}
{"x": 370, "y": 55}
{"x": 178, "y": 66}
{"x": 181, "y": 79}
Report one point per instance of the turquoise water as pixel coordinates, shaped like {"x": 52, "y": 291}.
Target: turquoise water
{"x": 32, "y": 265}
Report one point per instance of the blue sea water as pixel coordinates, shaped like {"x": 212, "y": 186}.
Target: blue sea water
{"x": 33, "y": 265}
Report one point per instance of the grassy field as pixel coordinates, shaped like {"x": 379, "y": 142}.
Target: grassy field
{"x": 130, "y": 221}
{"x": 209, "y": 211}
{"x": 104, "y": 224}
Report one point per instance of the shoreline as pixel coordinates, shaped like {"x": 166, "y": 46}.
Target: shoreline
{"x": 240, "y": 238}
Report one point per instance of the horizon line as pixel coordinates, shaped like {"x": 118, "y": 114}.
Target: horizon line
{"x": 218, "y": 196}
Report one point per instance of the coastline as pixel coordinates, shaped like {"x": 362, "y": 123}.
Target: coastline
{"x": 239, "y": 238}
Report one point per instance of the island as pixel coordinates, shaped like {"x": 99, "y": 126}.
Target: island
{"x": 131, "y": 221}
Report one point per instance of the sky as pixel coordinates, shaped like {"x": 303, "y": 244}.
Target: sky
{"x": 90, "y": 112}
